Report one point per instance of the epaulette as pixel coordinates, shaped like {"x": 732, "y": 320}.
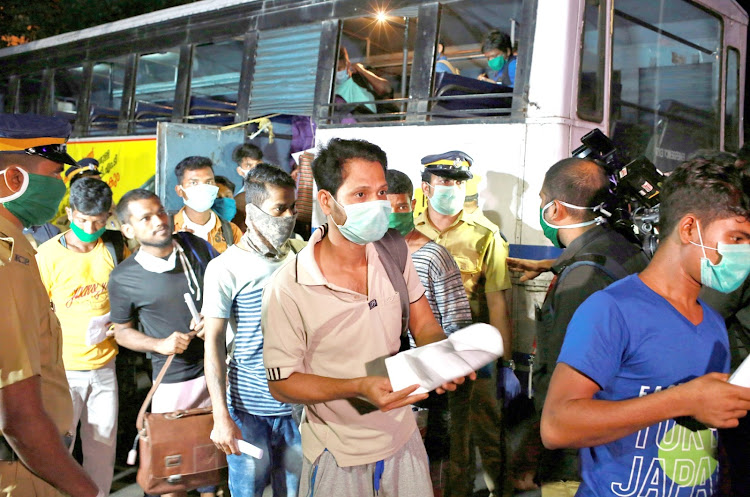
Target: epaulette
{"x": 7, "y": 245}
{"x": 478, "y": 218}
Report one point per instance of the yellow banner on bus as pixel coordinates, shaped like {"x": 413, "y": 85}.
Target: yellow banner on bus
{"x": 124, "y": 163}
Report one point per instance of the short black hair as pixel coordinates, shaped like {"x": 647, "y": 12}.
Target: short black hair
{"x": 328, "y": 167}
{"x": 496, "y": 39}
{"x": 123, "y": 207}
{"x": 258, "y": 179}
{"x": 192, "y": 163}
{"x": 578, "y": 182}
{"x": 709, "y": 189}
{"x": 247, "y": 150}
{"x": 713, "y": 155}
{"x": 223, "y": 180}
{"x": 398, "y": 183}
{"x": 90, "y": 196}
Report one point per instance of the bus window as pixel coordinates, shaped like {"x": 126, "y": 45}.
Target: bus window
{"x": 665, "y": 80}
{"x": 5, "y": 103}
{"x": 155, "y": 85}
{"x": 30, "y": 94}
{"x": 214, "y": 83}
{"x": 475, "y": 66}
{"x": 732, "y": 114}
{"x": 591, "y": 77}
{"x": 66, "y": 90}
{"x": 106, "y": 96}
{"x": 373, "y": 67}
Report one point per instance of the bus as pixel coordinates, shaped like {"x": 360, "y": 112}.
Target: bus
{"x": 663, "y": 79}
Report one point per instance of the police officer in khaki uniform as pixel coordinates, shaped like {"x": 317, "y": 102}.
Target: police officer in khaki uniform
{"x": 35, "y": 404}
{"x": 480, "y": 252}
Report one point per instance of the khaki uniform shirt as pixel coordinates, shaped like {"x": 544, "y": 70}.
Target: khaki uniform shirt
{"x": 30, "y": 335}
{"x": 315, "y": 327}
{"x": 215, "y": 236}
{"x": 480, "y": 252}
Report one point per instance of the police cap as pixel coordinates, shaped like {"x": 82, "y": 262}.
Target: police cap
{"x": 85, "y": 167}
{"x": 454, "y": 164}
{"x": 33, "y": 134}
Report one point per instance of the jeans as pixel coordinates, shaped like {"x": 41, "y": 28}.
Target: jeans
{"x": 281, "y": 464}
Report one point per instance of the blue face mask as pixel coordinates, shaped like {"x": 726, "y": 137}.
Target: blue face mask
{"x": 365, "y": 222}
{"x": 732, "y": 269}
{"x": 225, "y": 207}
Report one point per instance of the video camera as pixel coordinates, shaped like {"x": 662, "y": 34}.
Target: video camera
{"x": 636, "y": 185}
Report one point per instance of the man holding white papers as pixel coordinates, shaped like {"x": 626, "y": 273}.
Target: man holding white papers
{"x": 640, "y": 384}
{"x": 328, "y": 317}
{"x": 75, "y": 268}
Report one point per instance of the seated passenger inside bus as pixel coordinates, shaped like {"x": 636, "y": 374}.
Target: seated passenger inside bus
{"x": 501, "y": 59}
{"x": 355, "y": 83}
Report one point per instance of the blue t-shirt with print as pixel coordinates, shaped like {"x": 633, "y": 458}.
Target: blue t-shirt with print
{"x": 632, "y": 342}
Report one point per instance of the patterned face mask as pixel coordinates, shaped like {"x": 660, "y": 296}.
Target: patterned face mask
{"x": 267, "y": 234}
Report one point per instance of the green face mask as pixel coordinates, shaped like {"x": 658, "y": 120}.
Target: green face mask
{"x": 549, "y": 232}
{"x": 401, "y": 221}
{"x": 496, "y": 63}
{"x": 37, "y": 200}
{"x": 87, "y": 237}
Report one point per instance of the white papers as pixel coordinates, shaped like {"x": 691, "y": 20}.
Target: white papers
{"x": 741, "y": 377}
{"x": 191, "y": 307}
{"x": 250, "y": 449}
{"x": 97, "y": 330}
{"x": 432, "y": 365}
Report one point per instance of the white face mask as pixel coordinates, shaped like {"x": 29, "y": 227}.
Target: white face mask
{"x": 154, "y": 264}
{"x": 200, "y": 197}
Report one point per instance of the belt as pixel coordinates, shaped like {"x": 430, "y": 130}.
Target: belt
{"x": 8, "y": 454}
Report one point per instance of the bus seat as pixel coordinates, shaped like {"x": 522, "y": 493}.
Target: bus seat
{"x": 147, "y": 114}
{"x": 452, "y": 85}
{"x": 214, "y": 111}
{"x": 103, "y": 119}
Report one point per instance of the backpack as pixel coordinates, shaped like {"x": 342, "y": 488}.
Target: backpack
{"x": 394, "y": 253}
{"x": 113, "y": 242}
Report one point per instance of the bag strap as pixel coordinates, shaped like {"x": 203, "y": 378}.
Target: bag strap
{"x": 149, "y": 396}
{"x": 115, "y": 245}
{"x": 393, "y": 253}
{"x": 226, "y": 230}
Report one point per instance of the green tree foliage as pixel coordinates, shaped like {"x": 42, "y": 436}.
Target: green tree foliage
{"x": 28, "y": 20}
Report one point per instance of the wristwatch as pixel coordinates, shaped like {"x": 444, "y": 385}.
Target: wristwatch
{"x": 510, "y": 364}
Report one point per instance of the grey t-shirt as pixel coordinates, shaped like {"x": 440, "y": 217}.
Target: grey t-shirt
{"x": 155, "y": 300}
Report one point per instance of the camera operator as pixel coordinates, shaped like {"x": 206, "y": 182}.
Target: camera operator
{"x": 595, "y": 255}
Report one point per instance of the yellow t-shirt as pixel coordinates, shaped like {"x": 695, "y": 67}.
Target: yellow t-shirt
{"x": 77, "y": 286}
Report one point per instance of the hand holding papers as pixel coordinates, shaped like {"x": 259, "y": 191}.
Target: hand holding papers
{"x": 432, "y": 365}
{"x": 97, "y": 330}
{"x": 741, "y": 377}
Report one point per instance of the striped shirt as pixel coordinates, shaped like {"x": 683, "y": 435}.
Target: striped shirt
{"x": 443, "y": 287}
{"x": 233, "y": 290}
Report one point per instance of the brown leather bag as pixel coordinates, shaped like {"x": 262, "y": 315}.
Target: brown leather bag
{"x": 176, "y": 450}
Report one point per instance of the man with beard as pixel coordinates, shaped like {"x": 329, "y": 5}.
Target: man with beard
{"x": 148, "y": 289}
